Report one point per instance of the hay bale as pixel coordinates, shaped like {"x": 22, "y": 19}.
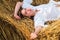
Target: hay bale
{"x": 12, "y": 29}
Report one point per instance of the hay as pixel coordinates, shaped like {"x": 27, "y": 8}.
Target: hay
{"x": 12, "y": 29}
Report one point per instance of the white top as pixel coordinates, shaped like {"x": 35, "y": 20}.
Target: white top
{"x": 47, "y": 12}
{"x": 27, "y": 4}
{"x": 41, "y": 17}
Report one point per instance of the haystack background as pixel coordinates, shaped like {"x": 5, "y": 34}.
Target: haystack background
{"x": 12, "y": 29}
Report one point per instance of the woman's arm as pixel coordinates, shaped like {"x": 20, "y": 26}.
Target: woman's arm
{"x": 38, "y": 29}
{"x": 35, "y": 33}
{"x": 17, "y": 7}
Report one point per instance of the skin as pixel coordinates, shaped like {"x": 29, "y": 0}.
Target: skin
{"x": 35, "y": 33}
{"x": 17, "y": 7}
{"x": 28, "y": 12}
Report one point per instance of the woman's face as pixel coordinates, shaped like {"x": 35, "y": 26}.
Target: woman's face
{"x": 27, "y": 12}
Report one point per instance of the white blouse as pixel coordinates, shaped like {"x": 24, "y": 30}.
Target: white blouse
{"x": 47, "y": 12}
{"x": 27, "y": 4}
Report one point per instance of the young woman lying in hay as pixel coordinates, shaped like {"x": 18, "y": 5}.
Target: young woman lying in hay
{"x": 23, "y": 31}
{"x": 41, "y": 13}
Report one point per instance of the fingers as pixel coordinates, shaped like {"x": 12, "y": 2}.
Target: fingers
{"x": 33, "y": 36}
{"x": 16, "y": 16}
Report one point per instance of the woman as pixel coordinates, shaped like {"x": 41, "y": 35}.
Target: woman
{"x": 41, "y": 13}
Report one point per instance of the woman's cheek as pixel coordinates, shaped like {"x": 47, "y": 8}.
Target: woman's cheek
{"x": 23, "y": 12}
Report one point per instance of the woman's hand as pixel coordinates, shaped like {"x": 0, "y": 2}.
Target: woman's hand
{"x": 33, "y": 36}
{"x": 16, "y": 16}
